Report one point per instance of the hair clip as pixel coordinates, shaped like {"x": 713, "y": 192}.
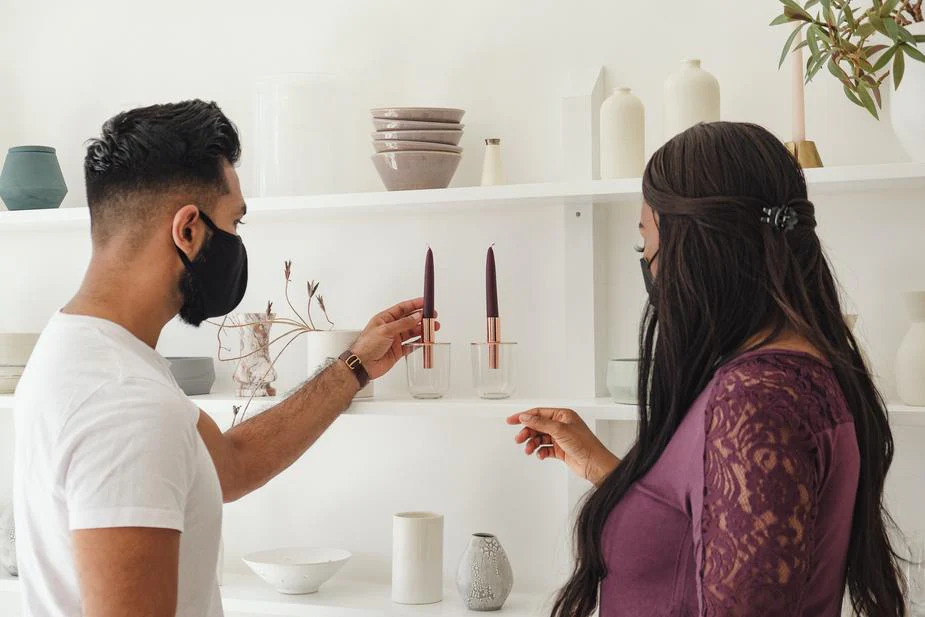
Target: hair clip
{"x": 781, "y": 218}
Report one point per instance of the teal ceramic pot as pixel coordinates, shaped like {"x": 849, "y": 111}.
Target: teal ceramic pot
{"x": 31, "y": 179}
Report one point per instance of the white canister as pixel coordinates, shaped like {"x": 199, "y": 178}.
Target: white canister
{"x": 324, "y": 344}
{"x": 910, "y": 359}
{"x": 623, "y": 135}
{"x": 492, "y": 165}
{"x": 691, "y": 96}
{"x": 417, "y": 558}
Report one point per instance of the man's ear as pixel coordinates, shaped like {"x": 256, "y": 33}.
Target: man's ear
{"x": 187, "y": 235}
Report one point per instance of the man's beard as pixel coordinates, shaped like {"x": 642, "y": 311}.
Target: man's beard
{"x": 192, "y": 311}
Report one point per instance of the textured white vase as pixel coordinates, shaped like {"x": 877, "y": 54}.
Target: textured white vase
{"x": 255, "y": 373}
{"x": 330, "y": 344}
{"x": 417, "y": 558}
{"x": 910, "y": 359}
{"x": 691, "y": 96}
{"x": 908, "y": 102}
{"x": 623, "y": 135}
{"x": 484, "y": 578}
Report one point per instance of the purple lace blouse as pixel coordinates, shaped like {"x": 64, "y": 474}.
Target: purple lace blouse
{"x": 748, "y": 511}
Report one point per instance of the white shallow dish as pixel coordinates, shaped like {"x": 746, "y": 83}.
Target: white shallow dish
{"x": 16, "y": 347}
{"x": 297, "y": 570}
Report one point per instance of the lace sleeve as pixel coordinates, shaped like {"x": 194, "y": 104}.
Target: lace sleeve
{"x": 759, "y": 503}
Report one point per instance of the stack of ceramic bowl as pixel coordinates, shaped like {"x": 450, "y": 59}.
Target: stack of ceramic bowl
{"x": 15, "y": 349}
{"x": 417, "y": 147}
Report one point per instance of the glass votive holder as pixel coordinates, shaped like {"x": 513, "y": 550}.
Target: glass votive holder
{"x": 428, "y": 371}
{"x": 494, "y": 367}
{"x": 622, "y": 376}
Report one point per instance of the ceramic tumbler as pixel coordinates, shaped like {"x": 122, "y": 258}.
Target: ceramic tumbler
{"x": 417, "y": 558}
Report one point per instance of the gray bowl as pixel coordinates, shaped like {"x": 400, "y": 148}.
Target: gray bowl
{"x": 394, "y": 145}
{"x": 439, "y": 137}
{"x": 383, "y": 124}
{"x": 410, "y": 169}
{"x": 195, "y": 376}
{"x": 420, "y": 114}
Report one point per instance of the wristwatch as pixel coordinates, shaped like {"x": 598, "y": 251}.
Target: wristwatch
{"x": 356, "y": 366}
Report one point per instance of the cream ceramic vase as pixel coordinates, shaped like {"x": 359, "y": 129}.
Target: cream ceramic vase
{"x": 623, "y": 135}
{"x": 907, "y": 103}
{"x": 691, "y": 96}
{"x": 330, "y": 344}
{"x": 910, "y": 359}
{"x": 417, "y": 558}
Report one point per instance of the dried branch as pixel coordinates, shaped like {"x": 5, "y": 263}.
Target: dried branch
{"x": 324, "y": 310}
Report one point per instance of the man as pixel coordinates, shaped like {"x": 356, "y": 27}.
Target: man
{"x": 119, "y": 478}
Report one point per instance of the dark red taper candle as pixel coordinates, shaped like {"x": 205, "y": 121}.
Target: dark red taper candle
{"x": 491, "y": 284}
{"x": 429, "y": 285}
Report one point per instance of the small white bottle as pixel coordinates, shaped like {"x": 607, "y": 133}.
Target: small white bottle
{"x": 492, "y": 166}
{"x": 623, "y": 135}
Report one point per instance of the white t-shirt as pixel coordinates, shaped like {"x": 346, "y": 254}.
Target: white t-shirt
{"x": 106, "y": 438}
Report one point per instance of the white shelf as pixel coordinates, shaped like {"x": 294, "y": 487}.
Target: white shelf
{"x": 823, "y": 181}
{"x": 220, "y": 406}
{"x": 246, "y": 593}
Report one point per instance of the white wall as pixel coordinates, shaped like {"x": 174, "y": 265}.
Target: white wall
{"x": 71, "y": 65}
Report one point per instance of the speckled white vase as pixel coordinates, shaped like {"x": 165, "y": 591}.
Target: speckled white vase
{"x": 910, "y": 359}
{"x": 484, "y": 578}
{"x": 8, "y": 542}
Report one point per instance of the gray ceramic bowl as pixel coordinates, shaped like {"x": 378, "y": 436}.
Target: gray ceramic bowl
{"x": 439, "y": 137}
{"x": 392, "y": 145}
{"x": 415, "y": 125}
{"x": 426, "y": 114}
{"x": 412, "y": 169}
{"x": 195, "y": 376}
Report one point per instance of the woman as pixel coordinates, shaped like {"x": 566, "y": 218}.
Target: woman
{"x": 755, "y": 484}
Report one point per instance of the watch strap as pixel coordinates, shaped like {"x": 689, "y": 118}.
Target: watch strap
{"x": 356, "y": 367}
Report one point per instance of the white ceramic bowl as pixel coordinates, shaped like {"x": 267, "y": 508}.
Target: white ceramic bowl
{"x": 297, "y": 570}
{"x": 440, "y": 137}
{"x": 426, "y": 114}
{"x": 412, "y": 169}
{"x": 395, "y": 145}
{"x": 16, "y": 347}
{"x": 383, "y": 124}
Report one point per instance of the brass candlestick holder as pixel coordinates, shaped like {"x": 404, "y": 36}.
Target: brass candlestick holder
{"x": 806, "y": 154}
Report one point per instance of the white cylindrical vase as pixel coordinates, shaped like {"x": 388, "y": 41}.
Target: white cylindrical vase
{"x": 910, "y": 359}
{"x": 417, "y": 558}
{"x": 623, "y": 135}
{"x": 691, "y": 97}
{"x": 322, "y": 345}
{"x": 907, "y": 102}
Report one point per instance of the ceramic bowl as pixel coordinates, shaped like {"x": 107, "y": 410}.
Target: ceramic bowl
{"x": 297, "y": 570}
{"x": 382, "y": 124}
{"x": 440, "y": 137}
{"x": 394, "y": 145}
{"x": 426, "y": 114}
{"x": 413, "y": 169}
{"x": 195, "y": 376}
{"x": 16, "y": 347}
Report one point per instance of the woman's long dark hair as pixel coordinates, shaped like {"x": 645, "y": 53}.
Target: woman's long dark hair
{"x": 724, "y": 276}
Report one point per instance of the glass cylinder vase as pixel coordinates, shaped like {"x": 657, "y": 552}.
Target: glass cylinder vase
{"x": 494, "y": 369}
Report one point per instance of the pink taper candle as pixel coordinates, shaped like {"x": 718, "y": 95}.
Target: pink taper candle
{"x": 798, "y": 104}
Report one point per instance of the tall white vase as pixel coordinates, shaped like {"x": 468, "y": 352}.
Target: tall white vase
{"x": 325, "y": 344}
{"x": 907, "y": 104}
{"x": 910, "y": 359}
{"x": 623, "y": 135}
{"x": 691, "y": 96}
{"x": 417, "y": 558}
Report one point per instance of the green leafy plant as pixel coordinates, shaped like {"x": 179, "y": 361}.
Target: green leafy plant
{"x": 842, "y": 37}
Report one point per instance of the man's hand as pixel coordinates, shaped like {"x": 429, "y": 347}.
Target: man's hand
{"x": 380, "y": 346}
